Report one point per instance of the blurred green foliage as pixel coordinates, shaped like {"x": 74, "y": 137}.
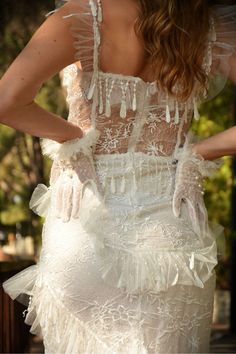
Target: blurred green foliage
{"x": 216, "y": 116}
{"x": 22, "y": 164}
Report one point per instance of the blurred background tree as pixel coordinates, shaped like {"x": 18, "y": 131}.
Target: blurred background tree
{"x": 22, "y": 164}
{"x": 217, "y": 115}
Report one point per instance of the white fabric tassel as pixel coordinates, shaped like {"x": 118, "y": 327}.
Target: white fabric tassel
{"x": 175, "y": 279}
{"x": 196, "y": 112}
{"x": 135, "y": 183}
{"x": 108, "y": 97}
{"x": 93, "y": 8}
{"x": 134, "y": 102}
{"x": 122, "y": 186}
{"x": 198, "y": 281}
{"x": 177, "y": 113}
{"x": 108, "y": 108}
{"x": 100, "y": 97}
{"x": 113, "y": 185}
{"x": 99, "y": 11}
{"x": 91, "y": 91}
{"x": 123, "y": 109}
{"x": 191, "y": 264}
{"x": 168, "y": 113}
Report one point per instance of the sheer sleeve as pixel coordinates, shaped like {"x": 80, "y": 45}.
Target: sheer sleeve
{"x": 223, "y": 47}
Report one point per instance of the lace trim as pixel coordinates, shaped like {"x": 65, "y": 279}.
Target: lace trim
{"x": 221, "y": 47}
{"x": 102, "y": 84}
{"x": 87, "y": 42}
{"x": 122, "y": 324}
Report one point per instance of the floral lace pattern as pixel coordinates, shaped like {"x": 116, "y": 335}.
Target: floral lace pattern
{"x": 125, "y": 323}
{"x": 124, "y": 275}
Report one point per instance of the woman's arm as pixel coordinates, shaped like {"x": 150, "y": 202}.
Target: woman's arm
{"x": 49, "y": 51}
{"x": 222, "y": 144}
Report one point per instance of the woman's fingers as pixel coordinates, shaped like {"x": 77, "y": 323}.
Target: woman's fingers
{"x": 69, "y": 185}
{"x": 63, "y": 197}
{"x": 76, "y": 198}
{"x": 55, "y": 172}
{"x": 67, "y": 195}
{"x": 58, "y": 195}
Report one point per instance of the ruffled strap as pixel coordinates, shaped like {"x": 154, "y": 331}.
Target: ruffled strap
{"x": 85, "y": 15}
{"x": 225, "y": 28}
{"x": 85, "y": 31}
{"x": 222, "y": 47}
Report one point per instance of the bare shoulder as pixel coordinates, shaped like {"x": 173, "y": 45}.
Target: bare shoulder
{"x": 77, "y": 5}
{"x": 122, "y": 10}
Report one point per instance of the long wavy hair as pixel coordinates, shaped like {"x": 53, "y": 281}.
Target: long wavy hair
{"x": 175, "y": 34}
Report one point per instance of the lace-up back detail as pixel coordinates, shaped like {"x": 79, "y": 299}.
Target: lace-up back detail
{"x": 131, "y": 114}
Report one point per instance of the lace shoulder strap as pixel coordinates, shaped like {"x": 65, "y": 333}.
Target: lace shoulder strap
{"x": 222, "y": 48}
{"x": 96, "y": 11}
{"x": 87, "y": 41}
{"x": 86, "y": 16}
{"x": 84, "y": 29}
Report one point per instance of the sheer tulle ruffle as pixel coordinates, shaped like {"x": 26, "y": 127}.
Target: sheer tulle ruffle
{"x": 20, "y": 286}
{"x": 152, "y": 258}
{"x": 62, "y": 331}
{"x": 223, "y": 47}
{"x": 131, "y": 240}
{"x": 114, "y": 332}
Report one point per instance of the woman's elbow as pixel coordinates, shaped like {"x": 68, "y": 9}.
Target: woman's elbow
{"x": 7, "y": 105}
{"x": 232, "y": 74}
{"x": 10, "y": 103}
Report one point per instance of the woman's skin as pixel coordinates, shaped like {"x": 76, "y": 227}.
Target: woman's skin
{"x": 51, "y": 49}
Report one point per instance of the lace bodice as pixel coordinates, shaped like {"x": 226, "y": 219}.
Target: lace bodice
{"x": 131, "y": 114}
{"x": 118, "y": 271}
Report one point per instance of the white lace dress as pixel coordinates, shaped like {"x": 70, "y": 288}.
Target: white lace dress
{"x": 118, "y": 272}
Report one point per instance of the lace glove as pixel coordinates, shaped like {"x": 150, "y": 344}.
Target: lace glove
{"x": 72, "y": 169}
{"x": 190, "y": 172}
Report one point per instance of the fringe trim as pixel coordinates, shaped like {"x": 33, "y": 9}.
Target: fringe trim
{"x": 156, "y": 270}
{"x": 70, "y": 148}
{"x": 186, "y": 153}
{"x": 136, "y": 269}
{"x": 62, "y": 331}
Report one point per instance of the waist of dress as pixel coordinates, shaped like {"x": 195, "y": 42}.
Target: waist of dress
{"x": 136, "y": 173}
{"x": 133, "y": 158}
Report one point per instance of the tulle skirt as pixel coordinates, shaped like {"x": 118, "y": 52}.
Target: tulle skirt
{"x": 126, "y": 276}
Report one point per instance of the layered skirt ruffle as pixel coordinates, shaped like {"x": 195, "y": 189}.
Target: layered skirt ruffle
{"x": 137, "y": 247}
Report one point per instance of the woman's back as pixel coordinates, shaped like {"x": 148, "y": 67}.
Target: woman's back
{"x": 125, "y": 267}
{"x": 121, "y": 52}
{"x": 119, "y": 94}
